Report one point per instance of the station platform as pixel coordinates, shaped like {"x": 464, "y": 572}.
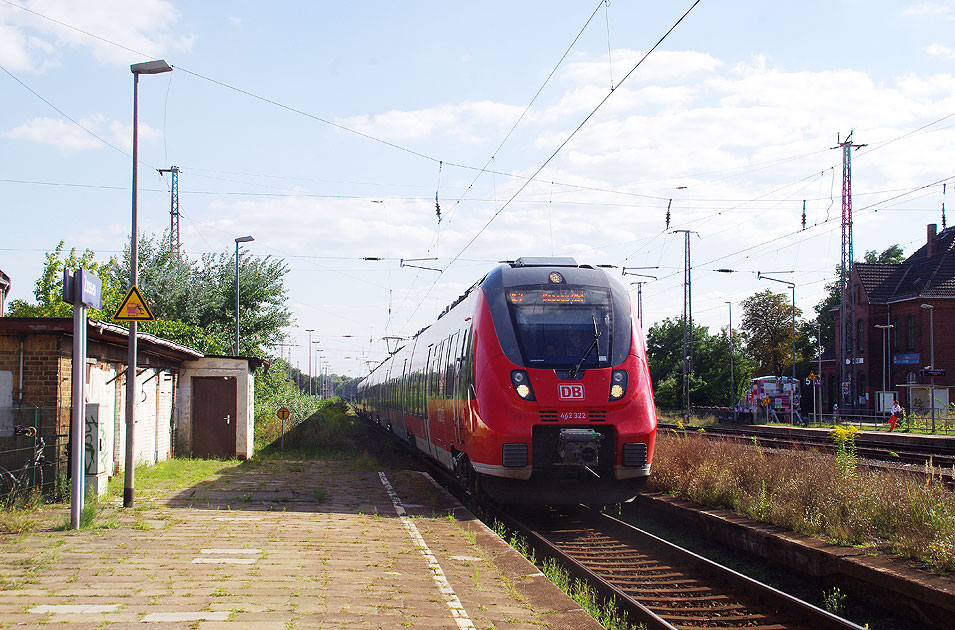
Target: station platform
{"x": 282, "y": 544}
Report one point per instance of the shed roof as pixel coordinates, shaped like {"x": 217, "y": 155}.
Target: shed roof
{"x": 98, "y": 331}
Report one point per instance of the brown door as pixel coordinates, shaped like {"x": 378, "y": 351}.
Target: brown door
{"x": 213, "y": 416}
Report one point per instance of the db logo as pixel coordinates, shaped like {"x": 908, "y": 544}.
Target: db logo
{"x": 570, "y": 392}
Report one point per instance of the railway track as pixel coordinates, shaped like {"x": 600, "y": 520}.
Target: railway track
{"x": 660, "y": 584}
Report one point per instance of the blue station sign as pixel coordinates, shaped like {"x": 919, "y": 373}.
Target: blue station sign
{"x": 906, "y": 359}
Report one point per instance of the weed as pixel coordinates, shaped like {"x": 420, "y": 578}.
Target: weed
{"x": 814, "y": 493}
{"x": 834, "y": 600}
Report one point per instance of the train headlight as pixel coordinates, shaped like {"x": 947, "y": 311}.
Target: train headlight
{"x": 618, "y": 384}
{"x": 522, "y": 384}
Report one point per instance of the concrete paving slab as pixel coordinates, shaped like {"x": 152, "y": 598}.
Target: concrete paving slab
{"x": 350, "y": 561}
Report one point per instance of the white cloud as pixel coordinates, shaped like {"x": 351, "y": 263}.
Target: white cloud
{"x": 663, "y": 66}
{"x": 939, "y": 50}
{"x": 66, "y": 135}
{"x": 29, "y": 42}
{"x": 56, "y": 132}
{"x": 927, "y": 8}
{"x": 458, "y": 121}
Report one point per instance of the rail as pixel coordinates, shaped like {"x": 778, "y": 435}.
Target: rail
{"x": 662, "y": 585}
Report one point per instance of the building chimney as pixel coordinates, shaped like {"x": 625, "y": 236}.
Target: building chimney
{"x": 931, "y": 240}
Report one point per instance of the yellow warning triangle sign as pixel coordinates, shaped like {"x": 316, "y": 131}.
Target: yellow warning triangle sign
{"x": 133, "y": 308}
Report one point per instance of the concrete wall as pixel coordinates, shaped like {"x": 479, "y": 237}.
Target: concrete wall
{"x": 245, "y": 390}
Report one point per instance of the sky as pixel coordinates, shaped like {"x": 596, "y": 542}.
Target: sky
{"x": 326, "y": 131}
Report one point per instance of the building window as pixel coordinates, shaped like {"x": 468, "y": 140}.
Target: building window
{"x": 861, "y": 393}
{"x": 910, "y": 331}
{"x": 860, "y": 337}
{"x": 895, "y": 333}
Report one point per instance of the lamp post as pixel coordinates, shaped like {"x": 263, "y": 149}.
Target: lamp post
{"x": 931, "y": 336}
{"x": 241, "y": 239}
{"x": 129, "y": 479}
{"x": 885, "y": 330}
{"x": 309, "y": 331}
{"x": 792, "y": 285}
{"x": 732, "y": 389}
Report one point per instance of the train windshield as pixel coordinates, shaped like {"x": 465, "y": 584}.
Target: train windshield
{"x": 559, "y": 328}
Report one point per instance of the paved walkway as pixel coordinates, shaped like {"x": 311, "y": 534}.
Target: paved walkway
{"x": 282, "y": 545}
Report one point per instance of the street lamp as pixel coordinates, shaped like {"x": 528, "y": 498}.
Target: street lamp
{"x": 309, "y": 331}
{"x": 732, "y": 389}
{"x": 792, "y": 285}
{"x": 129, "y": 479}
{"x": 241, "y": 239}
{"x": 931, "y": 336}
{"x": 885, "y": 330}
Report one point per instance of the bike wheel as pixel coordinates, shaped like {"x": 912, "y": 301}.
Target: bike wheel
{"x": 9, "y": 487}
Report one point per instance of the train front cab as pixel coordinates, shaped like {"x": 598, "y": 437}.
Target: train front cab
{"x": 543, "y": 431}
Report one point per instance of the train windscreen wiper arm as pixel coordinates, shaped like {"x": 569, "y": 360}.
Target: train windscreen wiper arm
{"x": 593, "y": 344}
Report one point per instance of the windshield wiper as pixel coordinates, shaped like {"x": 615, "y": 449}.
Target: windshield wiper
{"x": 593, "y": 344}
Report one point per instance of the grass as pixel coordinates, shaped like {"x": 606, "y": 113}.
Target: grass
{"x": 819, "y": 494}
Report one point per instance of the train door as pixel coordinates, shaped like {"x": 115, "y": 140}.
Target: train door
{"x": 403, "y": 400}
{"x": 431, "y": 396}
{"x": 460, "y": 388}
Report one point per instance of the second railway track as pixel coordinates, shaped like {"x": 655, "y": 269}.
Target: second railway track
{"x": 662, "y": 585}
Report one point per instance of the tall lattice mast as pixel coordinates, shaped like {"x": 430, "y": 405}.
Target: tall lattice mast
{"x": 687, "y": 322}
{"x": 847, "y": 294}
{"x": 174, "y": 243}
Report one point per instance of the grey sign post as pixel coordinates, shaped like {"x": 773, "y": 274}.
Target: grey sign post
{"x": 81, "y": 289}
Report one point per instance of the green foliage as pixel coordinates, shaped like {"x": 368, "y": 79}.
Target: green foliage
{"x": 186, "y": 335}
{"x": 834, "y": 600}
{"x": 891, "y": 255}
{"x": 194, "y": 300}
{"x": 274, "y": 390}
{"x": 710, "y": 379}
{"x": 48, "y": 289}
{"x": 767, "y": 330}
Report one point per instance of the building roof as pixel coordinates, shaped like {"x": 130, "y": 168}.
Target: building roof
{"x": 928, "y": 273}
{"x": 98, "y": 331}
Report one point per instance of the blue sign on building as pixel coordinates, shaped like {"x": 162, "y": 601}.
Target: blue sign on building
{"x": 906, "y": 359}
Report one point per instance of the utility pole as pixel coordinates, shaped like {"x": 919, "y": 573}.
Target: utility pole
{"x": 732, "y": 388}
{"x": 687, "y": 322}
{"x": 847, "y": 356}
{"x": 626, "y": 272}
{"x": 174, "y": 244}
{"x": 309, "y": 331}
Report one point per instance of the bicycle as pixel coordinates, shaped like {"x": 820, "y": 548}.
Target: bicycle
{"x": 19, "y": 482}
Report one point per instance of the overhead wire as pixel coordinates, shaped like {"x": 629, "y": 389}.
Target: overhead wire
{"x": 558, "y": 149}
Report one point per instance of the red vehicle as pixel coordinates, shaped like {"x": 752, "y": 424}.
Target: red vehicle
{"x": 533, "y": 387}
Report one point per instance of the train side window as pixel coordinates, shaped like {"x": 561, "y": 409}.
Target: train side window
{"x": 449, "y": 369}
{"x": 439, "y": 370}
{"x": 469, "y": 364}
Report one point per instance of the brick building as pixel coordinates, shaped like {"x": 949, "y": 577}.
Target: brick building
{"x": 894, "y": 295}
{"x": 188, "y": 403}
{"x": 4, "y": 291}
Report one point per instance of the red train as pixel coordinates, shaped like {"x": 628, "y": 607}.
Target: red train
{"x": 533, "y": 387}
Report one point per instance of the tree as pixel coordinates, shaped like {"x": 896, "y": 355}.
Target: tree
{"x": 48, "y": 290}
{"x": 709, "y": 380}
{"x": 262, "y": 298}
{"x": 890, "y": 255}
{"x": 194, "y": 302}
{"x": 164, "y": 278}
{"x": 767, "y": 330}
